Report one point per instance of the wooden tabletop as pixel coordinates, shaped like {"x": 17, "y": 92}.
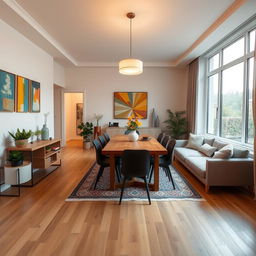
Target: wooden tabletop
{"x": 119, "y": 143}
{"x": 36, "y": 145}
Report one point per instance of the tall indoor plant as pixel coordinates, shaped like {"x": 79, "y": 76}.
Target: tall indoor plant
{"x": 86, "y": 133}
{"x": 176, "y": 124}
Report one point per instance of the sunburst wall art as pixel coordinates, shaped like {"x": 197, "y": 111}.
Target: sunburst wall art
{"x": 130, "y": 103}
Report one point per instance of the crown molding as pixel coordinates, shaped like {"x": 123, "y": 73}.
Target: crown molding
{"x": 35, "y": 25}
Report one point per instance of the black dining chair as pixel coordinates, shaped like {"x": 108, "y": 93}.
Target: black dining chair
{"x": 135, "y": 163}
{"x": 106, "y": 137}
{"x": 165, "y": 141}
{"x": 102, "y": 140}
{"x": 165, "y": 161}
{"x": 160, "y": 137}
{"x": 103, "y": 162}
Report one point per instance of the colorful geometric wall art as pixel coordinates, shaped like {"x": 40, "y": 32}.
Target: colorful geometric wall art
{"x": 22, "y": 101}
{"x": 130, "y": 103}
{"x": 35, "y": 96}
{"x": 7, "y": 91}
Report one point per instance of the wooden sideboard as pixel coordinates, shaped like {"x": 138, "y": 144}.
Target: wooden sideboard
{"x": 44, "y": 160}
{"x": 152, "y": 131}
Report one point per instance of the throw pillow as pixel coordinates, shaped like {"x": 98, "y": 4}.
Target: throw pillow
{"x": 207, "y": 149}
{"x": 209, "y": 141}
{"x": 224, "y": 153}
{"x": 240, "y": 153}
{"x": 219, "y": 145}
{"x": 195, "y": 141}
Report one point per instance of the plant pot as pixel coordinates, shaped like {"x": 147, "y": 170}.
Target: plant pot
{"x": 21, "y": 143}
{"x": 16, "y": 163}
{"x": 133, "y": 136}
{"x": 87, "y": 144}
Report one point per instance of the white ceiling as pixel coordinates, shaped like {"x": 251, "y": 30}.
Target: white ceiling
{"x": 96, "y": 32}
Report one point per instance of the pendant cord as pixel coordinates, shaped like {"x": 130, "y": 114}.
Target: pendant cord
{"x": 130, "y": 38}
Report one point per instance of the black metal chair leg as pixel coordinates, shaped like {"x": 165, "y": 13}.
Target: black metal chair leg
{"x": 122, "y": 191}
{"x": 98, "y": 176}
{"x": 118, "y": 173}
{"x": 170, "y": 174}
{"x": 146, "y": 184}
{"x": 151, "y": 172}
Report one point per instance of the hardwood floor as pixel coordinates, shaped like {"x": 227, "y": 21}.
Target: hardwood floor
{"x": 40, "y": 222}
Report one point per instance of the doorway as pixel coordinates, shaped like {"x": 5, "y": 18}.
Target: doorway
{"x": 73, "y": 115}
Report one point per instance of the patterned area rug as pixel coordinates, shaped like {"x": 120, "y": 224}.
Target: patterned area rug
{"x": 84, "y": 190}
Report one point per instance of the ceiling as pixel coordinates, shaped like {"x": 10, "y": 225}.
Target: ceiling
{"x": 96, "y": 32}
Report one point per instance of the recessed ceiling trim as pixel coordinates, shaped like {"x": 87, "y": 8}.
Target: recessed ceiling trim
{"x": 224, "y": 16}
{"x": 33, "y": 23}
{"x": 114, "y": 64}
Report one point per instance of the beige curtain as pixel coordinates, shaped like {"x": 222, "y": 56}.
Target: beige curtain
{"x": 254, "y": 116}
{"x": 193, "y": 69}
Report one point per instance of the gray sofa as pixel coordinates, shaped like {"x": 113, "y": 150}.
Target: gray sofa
{"x": 216, "y": 172}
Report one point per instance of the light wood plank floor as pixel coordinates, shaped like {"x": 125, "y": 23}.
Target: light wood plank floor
{"x": 40, "y": 222}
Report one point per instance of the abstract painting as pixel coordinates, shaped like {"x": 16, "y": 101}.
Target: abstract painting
{"x": 79, "y": 116}
{"x": 22, "y": 101}
{"x": 130, "y": 103}
{"x": 7, "y": 91}
{"x": 34, "y": 97}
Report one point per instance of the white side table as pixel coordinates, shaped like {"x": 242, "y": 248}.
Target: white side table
{"x": 17, "y": 175}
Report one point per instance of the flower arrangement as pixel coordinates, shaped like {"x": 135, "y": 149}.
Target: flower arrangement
{"x": 133, "y": 123}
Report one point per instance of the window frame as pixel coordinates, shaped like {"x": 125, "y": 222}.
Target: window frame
{"x": 241, "y": 32}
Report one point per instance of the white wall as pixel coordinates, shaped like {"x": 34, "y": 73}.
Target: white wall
{"x": 166, "y": 87}
{"x": 71, "y": 99}
{"x": 59, "y": 74}
{"x": 20, "y": 56}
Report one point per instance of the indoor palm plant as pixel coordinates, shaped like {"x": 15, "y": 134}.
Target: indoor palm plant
{"x": 176, "y": 124}
{"x": 86, "y": 133}
{"x": 21, "y": 137}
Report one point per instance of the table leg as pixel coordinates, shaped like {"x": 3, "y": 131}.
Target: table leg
{"x": 112, "y": 172}
{"x": 156, "y": 173}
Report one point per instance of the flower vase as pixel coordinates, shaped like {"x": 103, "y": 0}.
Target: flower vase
{"x": 45, "y": 133}
{"x": 133, "y": 136}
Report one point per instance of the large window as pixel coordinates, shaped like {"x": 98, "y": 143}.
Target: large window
{"x": 229, "y": 88}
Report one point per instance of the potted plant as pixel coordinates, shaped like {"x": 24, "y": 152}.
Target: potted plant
{"x": 176, "y": 124}
{"x": 86, "y": 133}
{"x": 97, "y": 128}
{"x": 21, "y": 137}
{"x": 37, "y": 134}
{"x": 16, "y": 158}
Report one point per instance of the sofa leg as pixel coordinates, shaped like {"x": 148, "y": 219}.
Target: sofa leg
{"x": 207, "y": 188}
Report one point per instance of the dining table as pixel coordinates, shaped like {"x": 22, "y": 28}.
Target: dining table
{"x": 116, "y": 146}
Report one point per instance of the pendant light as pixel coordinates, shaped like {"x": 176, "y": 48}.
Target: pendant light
{"x": 130, "y": 66}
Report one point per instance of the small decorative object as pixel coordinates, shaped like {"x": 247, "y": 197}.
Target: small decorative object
{"x": 22, "y": 98}
{"x": 37, "y": 134}
{"x": 97, "y": 128}
{"x": 7, "y": 91}
{"x": 130, "y": 104}
{"x": 86, "y": 133}
{"x": 34, "y": 96}
{"x": 48, "y": 149}
{"x": 21, "y": 137}
{"x": 32, "y": 137}
{"x": 154, "y": 119}
{"x": 132, "y": 126}
{"x": 79, "y": 115}
{"x": 176, "y": 123}
{"x": 45, "y": 130}
{"x": 16, "y": 158}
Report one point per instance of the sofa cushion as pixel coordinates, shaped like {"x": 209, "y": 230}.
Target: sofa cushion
{"x": 224, "y": 153}
{"x": 182, "y": 153}
{"x": 195, "y": 141}
{"x": 209, "y": 141}
{"x": 219, "y": 145}
{"x": 207, "y": 149}
{"x": 240, "y": 153}
{"x": 198, "y": 165}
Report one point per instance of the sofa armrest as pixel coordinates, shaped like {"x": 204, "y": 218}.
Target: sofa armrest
{"x": 229, "y": 172}
{"x": 181, "y": 143}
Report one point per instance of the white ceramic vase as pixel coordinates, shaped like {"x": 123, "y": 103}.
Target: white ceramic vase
{"x": 133, "y": 136}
